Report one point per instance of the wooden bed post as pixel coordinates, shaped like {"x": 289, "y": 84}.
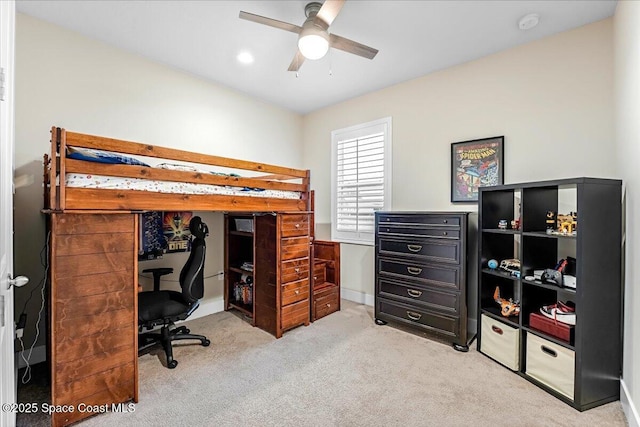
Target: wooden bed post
{"x": 52, "y": 168}
{"x": 62, "y": 134}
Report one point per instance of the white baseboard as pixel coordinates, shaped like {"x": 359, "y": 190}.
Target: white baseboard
{"x": 628, "y": 407}
{"x": 356, "y": 296}
{"x": 38, "y": 355}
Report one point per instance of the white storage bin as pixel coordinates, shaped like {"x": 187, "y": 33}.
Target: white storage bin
{"x": 551, "y": 364}
{"x": 500, "y": 342}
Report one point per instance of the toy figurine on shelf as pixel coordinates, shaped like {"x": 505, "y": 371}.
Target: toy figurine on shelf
{"x": 551, "y": 222}
{"x": 508, "y": 307}
{"x": 502, "y": 224}
{"x": 567, "y": 224}
{"x": 515, "y": 224}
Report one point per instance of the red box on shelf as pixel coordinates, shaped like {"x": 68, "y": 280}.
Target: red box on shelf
{"x": 549, "y": 326}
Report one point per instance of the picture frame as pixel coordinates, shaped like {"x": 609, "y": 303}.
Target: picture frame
{"x": 476, "y": 163}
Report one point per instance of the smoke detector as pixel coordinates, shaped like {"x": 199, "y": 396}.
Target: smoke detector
{"x": 529, "y": 21}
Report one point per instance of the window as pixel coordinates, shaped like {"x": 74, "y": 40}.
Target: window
{"x": 361, "y": 179}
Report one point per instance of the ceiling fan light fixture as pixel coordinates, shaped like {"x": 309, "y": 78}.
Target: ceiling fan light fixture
{"x": 313, "y": 42}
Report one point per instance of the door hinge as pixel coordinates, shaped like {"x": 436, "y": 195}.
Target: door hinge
{"x": 2, "y": 84}
{"x": 1, "y": 311}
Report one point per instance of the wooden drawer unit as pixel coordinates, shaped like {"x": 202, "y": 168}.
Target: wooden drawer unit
{"x": 295, "y": 291}
{"x": 501, "y": 342}
{"x": 421, "y": 272}
{"x": 295, "y": 314}
{"x": 294, "y": 225}
{"x": 325, "y": 279}
{"x": 326, "y": 301}
{"x": 319, "y": 272}
{"x": 294, "y": 270}
{"x": 279, "y": 247}
{"x": 551, "y": 364}
{"x": 295, "y": 257}
{"x": 93, "y": 309}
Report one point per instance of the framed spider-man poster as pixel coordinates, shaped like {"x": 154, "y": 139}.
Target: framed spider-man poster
{"x": 474, "y": 164}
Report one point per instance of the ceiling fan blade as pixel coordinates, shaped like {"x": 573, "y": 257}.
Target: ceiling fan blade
{"x": 350, "y": 46}
{"x": 270, "y": 22}
{"x": 297, "y": 62}
{"x": 329, "y": 11}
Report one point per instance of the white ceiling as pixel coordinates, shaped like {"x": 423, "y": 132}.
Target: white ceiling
{"x": 414, "y": 38}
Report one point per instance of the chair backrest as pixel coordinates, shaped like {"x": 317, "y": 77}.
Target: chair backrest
{"x": 192, "y": 274}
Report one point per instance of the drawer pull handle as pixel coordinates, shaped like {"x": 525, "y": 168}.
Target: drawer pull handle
{"x": 413, "y": 315}
{"x": 328, "y": 305}
{"x": 315, "y": 277}
{"x": 496, "y": 330}
{"x": 414, "y": 248}
{"x": 297, "y": 225}
{"x": 445, "y": 221}
{"x": 414, "y": 270}
{"x": 297, "y": 269}
{"x": 444, "y": 233}
{"x": 297, "y": 291}
{"x": 548, "y": 351}
{"x": 413, "y": 293}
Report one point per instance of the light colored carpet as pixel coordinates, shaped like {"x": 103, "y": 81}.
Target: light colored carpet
{"x": 342, "y": 370}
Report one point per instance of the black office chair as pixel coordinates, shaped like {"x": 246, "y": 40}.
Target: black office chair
{"x": 166, "y": 307}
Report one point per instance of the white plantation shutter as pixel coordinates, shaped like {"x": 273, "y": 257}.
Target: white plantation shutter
{"x": 361, "y": 179}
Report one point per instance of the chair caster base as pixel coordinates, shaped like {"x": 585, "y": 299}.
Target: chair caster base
{"x": 206, "y": 343}
{"x": 172, "y": 364}
{"x": 380, "y": 322}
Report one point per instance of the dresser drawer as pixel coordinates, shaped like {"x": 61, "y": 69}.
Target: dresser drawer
{"x": 326, "y": 302}
{"x": 295, "y": 291}
{"x": 294, "y": 225}
{"x": 319, "y": 273}
{"x": 501, "y": 342}
{"x": 435, "y": 276}
{"x": 294, "y": 247}
{"x": 293, "y": 270}
{"x": 411, "y": 315}
{"x": 447, "y": 302}
{"x": 551, "y": 364}
{"x": 434, "y": 250}
{"x": 295, "y": 314}
{"x": 417, "y": 230}
{"x": 427, "y": 219}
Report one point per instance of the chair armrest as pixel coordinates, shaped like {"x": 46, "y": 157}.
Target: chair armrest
{"x": 157, "y": 273}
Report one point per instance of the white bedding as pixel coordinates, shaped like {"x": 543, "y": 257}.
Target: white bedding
{"x": 115, "y": 183}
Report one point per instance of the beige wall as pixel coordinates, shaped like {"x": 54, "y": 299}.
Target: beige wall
{"x": 67, "y": 80}
{"x": 551, "y": 99}
{"x": 627, "y": 131}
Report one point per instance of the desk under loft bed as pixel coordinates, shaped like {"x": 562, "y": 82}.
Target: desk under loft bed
{"x": 93, "y": 222}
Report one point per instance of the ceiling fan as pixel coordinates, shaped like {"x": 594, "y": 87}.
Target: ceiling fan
{"x": 314, "y": 39}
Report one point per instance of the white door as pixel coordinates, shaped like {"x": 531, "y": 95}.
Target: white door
{"x": 7, "y": 366}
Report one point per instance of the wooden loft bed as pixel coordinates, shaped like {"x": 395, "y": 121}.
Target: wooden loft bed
{"x": 61, "y": 197}
{"x": 93, "y": 252}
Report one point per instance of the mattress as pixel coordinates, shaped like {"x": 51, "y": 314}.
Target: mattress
{"x": 116, "y": 183}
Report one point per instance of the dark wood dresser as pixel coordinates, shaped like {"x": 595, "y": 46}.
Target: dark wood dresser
{"x": 421, "y": 272}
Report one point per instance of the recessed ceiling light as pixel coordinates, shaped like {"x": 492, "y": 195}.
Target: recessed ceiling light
{"x": 529, "y": 21}
{"x": 245, "y": 58}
